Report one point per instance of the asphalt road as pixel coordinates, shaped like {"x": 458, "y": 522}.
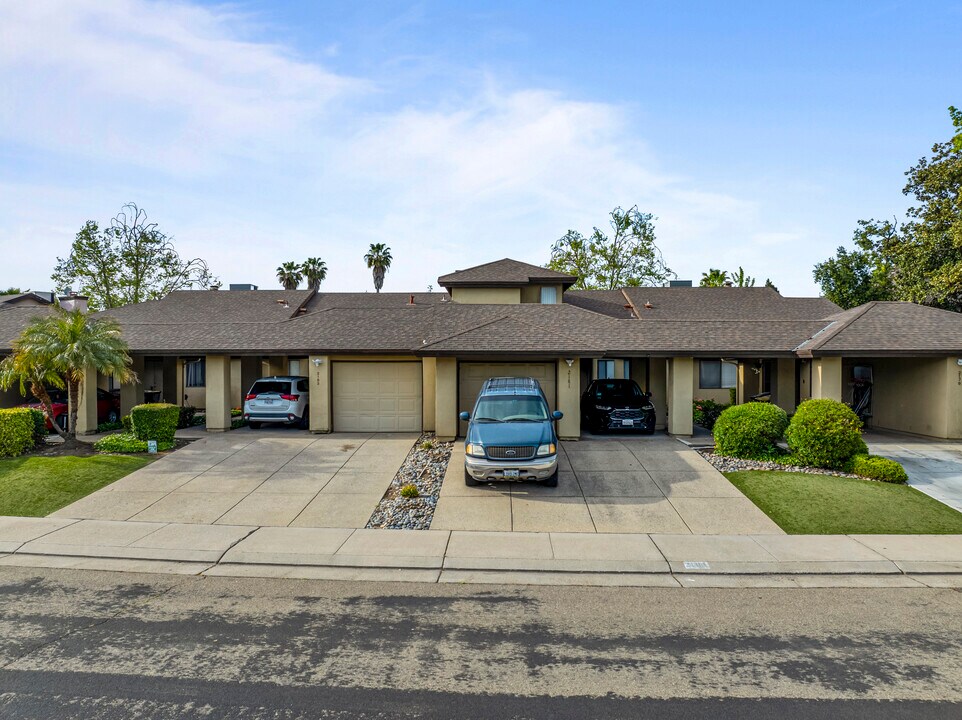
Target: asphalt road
{"x": 80, "y": 644}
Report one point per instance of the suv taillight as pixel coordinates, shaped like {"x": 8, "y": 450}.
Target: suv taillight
{"x": 292, "y": 398}
{"x": 251, "y": 396}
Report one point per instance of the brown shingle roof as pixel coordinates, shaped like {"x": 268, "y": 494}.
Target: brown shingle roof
{"x": 14, "y": 319}
{"x": 217, "y": 306}
{"x": 888, "y": 328}
{"x": 504, "y": 273}
{"x": 725, "y": 303}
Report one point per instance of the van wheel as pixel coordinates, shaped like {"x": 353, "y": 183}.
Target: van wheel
{"x": 550, "y": 481}
{"x": 470, "y": 481}
{"x": 253, "y": 425}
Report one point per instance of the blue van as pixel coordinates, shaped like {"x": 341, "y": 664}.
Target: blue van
{"x": 511, "y": 434}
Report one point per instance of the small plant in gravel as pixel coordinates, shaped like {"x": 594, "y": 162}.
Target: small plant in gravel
{"x": 750, "y": 431}
{"x": 427, "y": 445}
{"x": 410, "y": 491}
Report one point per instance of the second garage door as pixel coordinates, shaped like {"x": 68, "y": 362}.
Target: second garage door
{"x": 376, "y": 396}
{"x": 472, "y": 375}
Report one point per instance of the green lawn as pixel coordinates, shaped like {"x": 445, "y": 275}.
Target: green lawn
{"x": 36, "y": 486}
{"x": 803, "y": 504}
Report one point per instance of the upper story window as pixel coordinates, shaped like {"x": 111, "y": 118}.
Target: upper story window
{"x": 718, "y": 374}
{"x": 549, "y": 295}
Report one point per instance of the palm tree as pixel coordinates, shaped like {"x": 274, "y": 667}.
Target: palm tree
{"x": 315, "y": 271}
{"x": 58, "y": 349}
{"x": 740, "y": 279}
{"x": 713, "y": 278}
{"x": 289, "y": 275}
{"x": 23, "y": 369}
{"x": 378, "y": 258}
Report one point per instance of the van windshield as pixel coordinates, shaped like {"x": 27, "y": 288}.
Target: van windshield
{"x": 511, "y": 408}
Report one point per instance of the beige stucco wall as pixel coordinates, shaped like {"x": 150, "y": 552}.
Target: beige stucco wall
{"x": 783, "y": 385}
{"x": 804, "y": 380}
{"x": 319, "y": 376}
{"x": 446, "y": 398}
{"x": 428, "y": 382}
{"x": 827, "y": 378}
{"x": 658, "y": 379}
{"x": 568, "y": 393}
{"x": 217, "y": 402}
{"x": 680, "y": 398}
{"x": 274, "y": 366}
{"x": 486, "y": 296}
{"x": 916, "y": 395}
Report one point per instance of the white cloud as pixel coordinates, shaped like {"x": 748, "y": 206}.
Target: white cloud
{"x": 256, "y": 156}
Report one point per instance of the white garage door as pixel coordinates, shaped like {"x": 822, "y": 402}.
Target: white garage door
{"x": 376, "y": 396}
{"x": 472, "y": 375}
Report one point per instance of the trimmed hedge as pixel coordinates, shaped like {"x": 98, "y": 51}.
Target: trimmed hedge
{"x": 825, "y": 433}
{"x": 17, "y": 428}
{"x": 155, "y": 421}
{"x": 126, "y": 424}
{"x": 126, "y": 443}
{"x": 750, "y": 431}
{"x": 878, "y": 468}
{"x": 40, "y": 431}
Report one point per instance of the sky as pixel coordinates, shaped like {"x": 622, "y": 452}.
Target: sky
{"x": 459, "y": 133}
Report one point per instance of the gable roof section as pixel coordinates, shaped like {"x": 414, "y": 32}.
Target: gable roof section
{"x": 214, "y": 306}
{"x": 605, "y": 302}
{"x": 888, "y": 328}
{"x": 29, "y": 297}
{"x": 504, "y": 273}
{"x": 725, "y": 303}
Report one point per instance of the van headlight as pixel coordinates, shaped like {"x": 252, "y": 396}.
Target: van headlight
{"x": 474, "y": 450}
{"x": 548, "y": 449}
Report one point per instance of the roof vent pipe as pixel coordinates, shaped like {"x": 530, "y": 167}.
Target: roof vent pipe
{"x": 411, "y": 301}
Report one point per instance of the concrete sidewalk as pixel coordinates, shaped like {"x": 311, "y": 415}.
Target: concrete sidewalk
{"x": 488, "y": 557}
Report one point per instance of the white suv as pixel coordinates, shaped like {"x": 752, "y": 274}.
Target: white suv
{"x": 278, "y": 400}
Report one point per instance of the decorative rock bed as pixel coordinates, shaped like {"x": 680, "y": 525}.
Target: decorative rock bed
{"x": 728, "y": 464}
{"x": 424, "y": 467}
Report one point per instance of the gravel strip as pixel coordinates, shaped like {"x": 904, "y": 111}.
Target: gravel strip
{"x": 727, "y": 464}
{"x": 424, "y": 468}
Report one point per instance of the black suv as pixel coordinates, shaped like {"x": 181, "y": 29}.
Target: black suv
{"x": 617, "y": 405}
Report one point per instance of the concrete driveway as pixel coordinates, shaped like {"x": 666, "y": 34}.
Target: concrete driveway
{"x": 263, "y": 477}
{"x": 651, "y": 484}
{"x": 933, "y": 466}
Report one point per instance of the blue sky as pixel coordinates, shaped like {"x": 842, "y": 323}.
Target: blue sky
{"x": 458, "y": 133}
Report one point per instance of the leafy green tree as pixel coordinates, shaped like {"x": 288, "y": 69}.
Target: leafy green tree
{"x": 919, "y": 260}
{"x": 11, "y": 291}
{"x": 740, "y": 279}
{"x": 130, "y": 261}
{"x": 627, "y": 257}
{"x": 713, "y": 278}
{"x": 378, "y": 259}
{"x": 315, "y": 272}
{"x": 770, "y": 284}
{"x": 289, "y": 275}
{"x": 57, "y": 349}
{"x": 855, "y": 277}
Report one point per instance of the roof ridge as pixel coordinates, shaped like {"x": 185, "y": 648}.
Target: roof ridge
{"x": 829, "y": 332}
{"x": 462, "y": 332}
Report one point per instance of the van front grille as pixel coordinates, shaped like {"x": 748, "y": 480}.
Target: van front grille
{"x": 511, "y": 452}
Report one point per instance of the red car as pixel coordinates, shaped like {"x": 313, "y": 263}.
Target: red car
{"x": 108, "y": 407}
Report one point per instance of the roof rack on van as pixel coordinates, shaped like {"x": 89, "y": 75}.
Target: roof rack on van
{"x": 511, "y": 384}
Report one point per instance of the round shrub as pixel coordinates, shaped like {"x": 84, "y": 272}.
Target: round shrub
{"x": 750, "y": 431}
{"x": 879, "y": 468}
{"x": 825, "y": 433}
{"x": 155, "y": 421}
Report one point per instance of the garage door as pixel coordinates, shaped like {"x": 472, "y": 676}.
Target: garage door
{"x": 376, "y": 396}
{"x": 472, "y": 375}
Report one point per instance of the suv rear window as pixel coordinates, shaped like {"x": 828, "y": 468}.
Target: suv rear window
{"x": 262, "y": 387}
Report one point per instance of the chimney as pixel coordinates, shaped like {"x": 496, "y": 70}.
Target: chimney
{"x": 73, "y": 301}
{"x": 411, "y": 300}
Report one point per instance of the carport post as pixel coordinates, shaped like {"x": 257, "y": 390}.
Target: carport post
{"x": 446, "y": 398}
{"x": 681, "y": 381}
{"x": 568, "y": 389}
{"x": 87, "y": 405}
{"x": 827, "y": 378}
{"x": 218, "y": 393}
{"x": 319, "y": 373}
{"x": 132, "y": 393}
